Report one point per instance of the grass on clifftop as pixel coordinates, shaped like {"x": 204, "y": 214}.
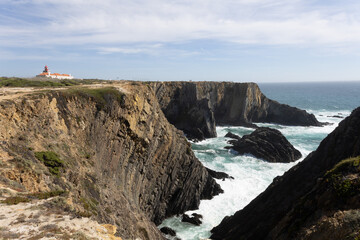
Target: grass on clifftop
{"x": 345, "y": 165}
{"x": 51, "y": 160}
{"x": 38, "y": 82}
{"x": 100, "y": 95}
{"x": 343, "y": 185}
{"x": 27, "y": 198}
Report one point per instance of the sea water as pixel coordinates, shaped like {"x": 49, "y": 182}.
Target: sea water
{"x": 329, "y": 102}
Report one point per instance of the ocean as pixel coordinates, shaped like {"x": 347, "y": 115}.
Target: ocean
{"x": 329, "y": 102}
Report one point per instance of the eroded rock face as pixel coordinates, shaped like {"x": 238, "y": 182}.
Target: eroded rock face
{"x": 196, "y": 107}
{"x": 266, "y": 143}
{"x": 303, "y": 189}
{"x": 124, "y": 163}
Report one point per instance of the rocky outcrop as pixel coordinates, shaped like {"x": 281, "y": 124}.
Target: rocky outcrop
{"x": 218, "y": 175}
{"x": 232, "y": 135}
{"x": 195, "y": 107}
{"x": 266, "y": 143}
{"x": 195, "y": 219}
{"x": 168, "y": 231}
{"x": 121, "y": 161}
{"x": 305, "y": 200}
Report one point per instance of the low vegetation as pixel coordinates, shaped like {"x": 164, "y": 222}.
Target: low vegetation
{"x": 343, "y": 185}
{"x": 15, "y": 200}
{"x": 50, "y": 160}
{"x": 28, "y": 197}
{"x": 100, "y": 95}
{"x": 38, "y": 82}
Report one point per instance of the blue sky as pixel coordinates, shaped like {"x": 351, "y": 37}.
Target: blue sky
{"x": 228, "y": 40}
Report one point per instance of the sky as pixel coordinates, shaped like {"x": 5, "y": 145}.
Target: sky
{"x": 171, "y": 40}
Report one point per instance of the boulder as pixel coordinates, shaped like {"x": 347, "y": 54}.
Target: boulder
{"x": 268, "y": 144}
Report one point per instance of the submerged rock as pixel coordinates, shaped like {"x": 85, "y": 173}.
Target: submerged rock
{"x": 336, "y": 116}
{"x": 168, "y": 231}
{"x": 266, "y": 143}
{"x": 316, "y": 199}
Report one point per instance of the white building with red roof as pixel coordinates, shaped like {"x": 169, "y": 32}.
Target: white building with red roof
{"x": 46, "y": 73}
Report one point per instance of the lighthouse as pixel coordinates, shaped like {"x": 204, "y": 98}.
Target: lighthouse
{"x": 46, "y": 73}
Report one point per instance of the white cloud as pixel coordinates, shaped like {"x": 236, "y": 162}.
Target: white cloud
{"x": 105, "y": 22}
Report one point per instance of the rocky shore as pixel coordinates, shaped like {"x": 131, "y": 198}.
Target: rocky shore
{"x": 316, "y": 199}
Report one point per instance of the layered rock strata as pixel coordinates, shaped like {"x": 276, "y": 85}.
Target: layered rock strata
{"x": 197, "y": 107}
{"x": 265, "y": 143}
{"x": 119, "y": 159}
{"x": 315, "y": 199}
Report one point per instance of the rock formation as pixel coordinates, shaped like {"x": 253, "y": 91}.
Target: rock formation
{"x": 195, "y": 219}
{"x": 316, "y": 199}
{"x": 232, "y": 135}
{"x": 111, "y": 149}
{"x": 195, "y": 107}
{"x": 266, "y": 143}
{"x": 218, "y": 175}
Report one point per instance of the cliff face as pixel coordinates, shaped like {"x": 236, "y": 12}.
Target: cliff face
{"x": 312, "y": 197}
{"x": 195, "y": 107}
{"x": 121, "y": 161}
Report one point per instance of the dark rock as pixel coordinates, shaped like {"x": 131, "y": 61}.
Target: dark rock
{"x": 210, "y": 189}
{"x": 218, "y": 175}
{"x": 272, "y": 213}
{"x": 336, "y": 116}
{"x": 195, "y": 220}
{"x": 196, "y": 215}
{"x": 232, "y": 135}
{"x": 268, "y": 144}
{"x": 194, "y": 107}
{"x": 168, "y": 231}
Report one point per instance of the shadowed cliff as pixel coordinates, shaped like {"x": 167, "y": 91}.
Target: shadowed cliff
{"x": 197, "y": 107}
{"x": 315, "y": 199}
{"x": 110, "y": 149}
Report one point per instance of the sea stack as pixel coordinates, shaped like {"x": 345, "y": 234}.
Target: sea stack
{"x": 265, "y": 143}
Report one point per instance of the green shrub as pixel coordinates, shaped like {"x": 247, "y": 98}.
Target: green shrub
{"x": 51, "y": 160}
{"x": 15, "y": 200}
{"x": 100, "y": 95}
{"x": 46, "y": 195}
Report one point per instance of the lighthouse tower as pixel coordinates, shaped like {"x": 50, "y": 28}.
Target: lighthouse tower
{"x": 46, "y": 70}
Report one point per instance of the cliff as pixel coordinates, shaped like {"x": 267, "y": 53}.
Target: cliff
{"x": 316, "y": 199}
{"x": 110, "y": 151}
{"x": 197, "y": 107}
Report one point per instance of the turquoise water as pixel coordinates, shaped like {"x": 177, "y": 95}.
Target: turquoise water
{"x": 251, "y": 175}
